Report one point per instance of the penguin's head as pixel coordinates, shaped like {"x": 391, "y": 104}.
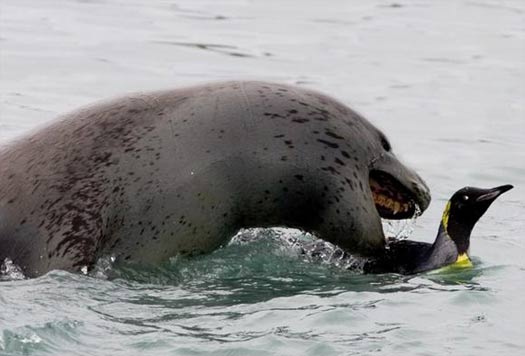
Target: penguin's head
{"x": 464, "y": 209}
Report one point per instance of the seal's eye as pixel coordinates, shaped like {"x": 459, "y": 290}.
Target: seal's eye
{"x": 385, "y": 144}
{"x": 465, "y": 198}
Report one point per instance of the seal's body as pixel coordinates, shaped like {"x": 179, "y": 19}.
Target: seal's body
{"x": 149, "y": 176}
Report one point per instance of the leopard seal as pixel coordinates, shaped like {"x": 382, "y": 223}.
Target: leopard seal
{"x": 149, "y": 176}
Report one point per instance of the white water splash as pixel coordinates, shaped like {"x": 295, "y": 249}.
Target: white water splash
{"x": 318, "y": 250}
{"x": 303, "y": 244}
{"x": 103, "y": 267}
{"x": 10, "y": 271}
{"x": 400, "y": 229}
{"x": 31, "y": 339}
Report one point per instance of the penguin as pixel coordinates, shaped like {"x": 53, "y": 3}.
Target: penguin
{"x": 451, "y": 246}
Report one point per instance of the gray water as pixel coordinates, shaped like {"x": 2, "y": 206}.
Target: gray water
{"x": 444, "y": 79}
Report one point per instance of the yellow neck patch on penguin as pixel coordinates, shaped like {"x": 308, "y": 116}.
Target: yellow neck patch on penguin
{"x": 446, "y": 214}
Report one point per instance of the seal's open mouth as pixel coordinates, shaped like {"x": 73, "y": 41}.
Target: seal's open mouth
{"x": 393, "y": 200}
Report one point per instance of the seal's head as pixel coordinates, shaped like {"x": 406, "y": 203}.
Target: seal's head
{"x": 396, "y": 191}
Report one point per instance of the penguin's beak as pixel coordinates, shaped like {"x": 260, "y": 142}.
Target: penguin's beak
{"x": 491, "y": 194}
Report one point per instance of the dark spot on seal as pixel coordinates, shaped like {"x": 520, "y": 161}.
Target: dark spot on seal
{"x": 299, "y": 177}
{"x": 300, "y": 120}
{"x": 350, "y": 183}
{"x": 77, "y": 223}
{"x": 289, "y": 143}
{"x": 330, "y": 169}
{"x": 328, "y": 143}
{"x": 279, "y": 136}
{"x": 338, "y": 161}
{"x": 333, "y": 135}
{"x": 345, "y": 154}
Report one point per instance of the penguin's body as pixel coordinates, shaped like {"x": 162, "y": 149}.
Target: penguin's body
{"x": 452, "y": 243}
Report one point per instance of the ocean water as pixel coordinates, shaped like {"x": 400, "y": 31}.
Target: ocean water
{"x": 444, "y": 79}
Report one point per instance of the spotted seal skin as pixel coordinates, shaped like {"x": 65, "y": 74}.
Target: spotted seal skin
{"x": 150, "y": 176}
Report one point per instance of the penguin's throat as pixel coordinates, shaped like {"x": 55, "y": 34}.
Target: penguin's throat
{"x": 461, "y": 243}
{"x": 459, "y": 234}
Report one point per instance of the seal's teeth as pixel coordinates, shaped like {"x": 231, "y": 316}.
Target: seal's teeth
{"x": 397, "y": 207}
{"x": 394, "y": 206}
